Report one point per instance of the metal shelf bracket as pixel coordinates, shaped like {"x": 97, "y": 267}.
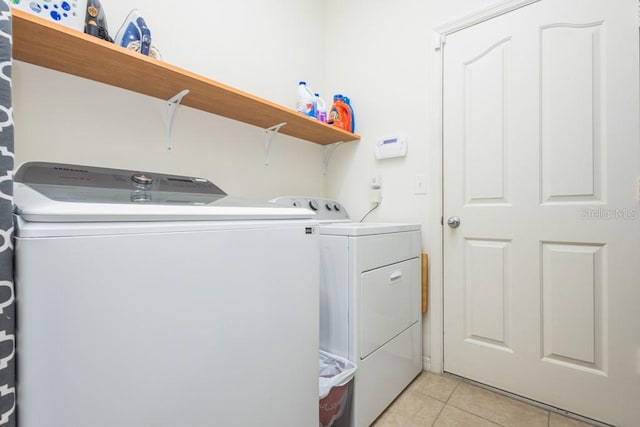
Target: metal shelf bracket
{"x": 327, "y": 151}
{"x": 268, "y": 136}
{"x": 172, "y": 106}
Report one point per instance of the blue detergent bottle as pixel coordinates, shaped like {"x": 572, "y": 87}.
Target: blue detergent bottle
{"x": 347, "y": 101}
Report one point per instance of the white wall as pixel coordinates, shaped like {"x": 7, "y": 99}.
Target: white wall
{"x": 263, "y": 48}
{"x": 381, "y": 54}
{"x": 378, "y": 52}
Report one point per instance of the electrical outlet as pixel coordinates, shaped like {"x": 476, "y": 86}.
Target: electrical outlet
{"x": 376, "y": 182}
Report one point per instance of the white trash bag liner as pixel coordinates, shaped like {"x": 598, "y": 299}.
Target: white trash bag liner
{"x": 335, "y": 371}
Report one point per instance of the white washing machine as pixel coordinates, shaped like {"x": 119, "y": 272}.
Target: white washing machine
{"x": 156, "y": 300}
{"x": 370, "y": 299}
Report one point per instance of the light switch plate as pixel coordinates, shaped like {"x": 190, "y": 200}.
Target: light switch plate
{"x": 420, "y": 184}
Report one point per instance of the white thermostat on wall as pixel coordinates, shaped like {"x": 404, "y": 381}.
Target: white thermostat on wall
{"x": 391, "y": 146}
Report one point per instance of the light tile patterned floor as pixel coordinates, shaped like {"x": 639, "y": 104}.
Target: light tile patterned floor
{"x": 440, "y": 401}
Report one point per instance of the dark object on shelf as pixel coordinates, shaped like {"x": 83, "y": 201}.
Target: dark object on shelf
{"x": 95, "y": 22}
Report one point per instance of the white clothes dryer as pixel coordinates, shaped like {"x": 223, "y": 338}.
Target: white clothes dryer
{"x": 148, "y": 299}
{"x": 370, "y": 299}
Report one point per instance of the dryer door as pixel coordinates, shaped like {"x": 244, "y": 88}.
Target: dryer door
{"x": 390, "y": 303}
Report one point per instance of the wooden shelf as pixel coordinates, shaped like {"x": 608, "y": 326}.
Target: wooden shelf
{"x": 54, "y": 46}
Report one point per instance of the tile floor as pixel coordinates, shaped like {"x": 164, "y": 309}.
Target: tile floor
{"x": 443, "y": 401}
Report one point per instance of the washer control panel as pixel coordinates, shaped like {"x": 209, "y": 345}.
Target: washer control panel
{"x": 326, "y": 209}
{"x": 89, "y": 184}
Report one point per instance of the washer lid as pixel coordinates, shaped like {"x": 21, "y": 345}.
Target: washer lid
{"x": 365, "y": 228}
{"x": 55, "y": 192}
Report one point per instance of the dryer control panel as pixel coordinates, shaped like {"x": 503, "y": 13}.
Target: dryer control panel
{"x": 326, "y": 209}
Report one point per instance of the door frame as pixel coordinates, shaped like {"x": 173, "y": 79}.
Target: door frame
{"x": 436, "y": 241}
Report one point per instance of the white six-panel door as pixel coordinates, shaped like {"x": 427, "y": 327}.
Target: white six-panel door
{"x": 541, "y": 164}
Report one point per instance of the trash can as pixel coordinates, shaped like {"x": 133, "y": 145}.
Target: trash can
{"x": 336, "y": 390}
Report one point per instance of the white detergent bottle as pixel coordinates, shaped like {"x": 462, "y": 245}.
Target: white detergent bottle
{"x": 321, "y": 109}
{"x": 306, "y": 102}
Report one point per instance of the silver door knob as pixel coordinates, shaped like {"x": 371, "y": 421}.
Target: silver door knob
{"x": 453, "y": 222}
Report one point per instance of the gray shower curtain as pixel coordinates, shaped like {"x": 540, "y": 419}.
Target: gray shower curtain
{"x": 7, "y": 307}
